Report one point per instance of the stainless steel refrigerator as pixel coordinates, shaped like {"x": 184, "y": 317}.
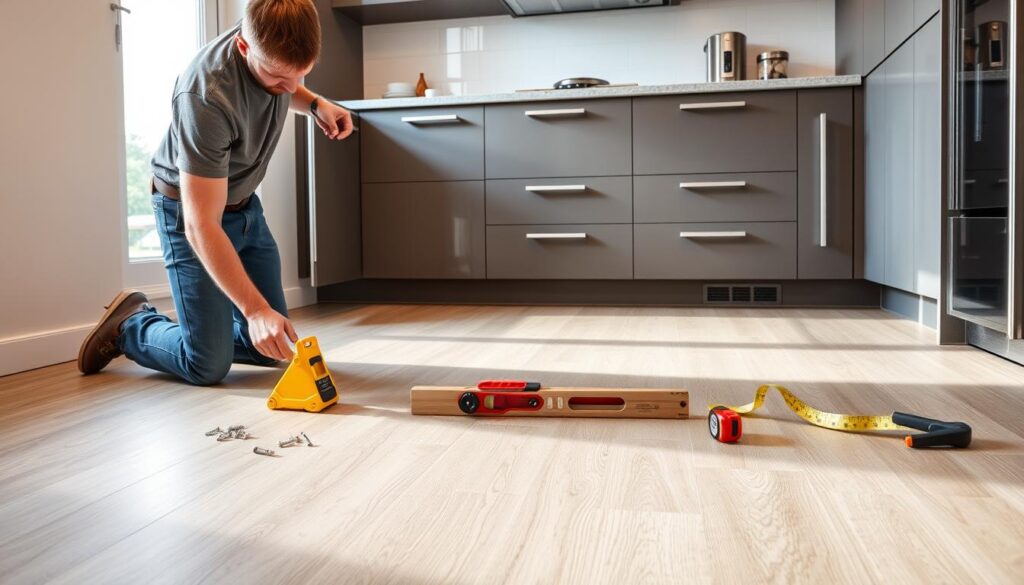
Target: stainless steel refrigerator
{"x": 985, "y": 204}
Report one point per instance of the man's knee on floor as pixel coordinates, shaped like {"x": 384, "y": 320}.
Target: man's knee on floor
{"x": 207, "y": 372}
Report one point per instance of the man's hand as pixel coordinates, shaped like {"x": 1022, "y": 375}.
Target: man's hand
{"x": 334, "y": 120}
{"x": 271, "y": 333}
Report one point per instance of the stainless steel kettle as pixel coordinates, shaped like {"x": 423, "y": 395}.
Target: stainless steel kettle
{"x": 726, "y": 55}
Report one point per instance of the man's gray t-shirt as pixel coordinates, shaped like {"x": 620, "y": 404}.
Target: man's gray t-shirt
{"x": 223, "y": 123}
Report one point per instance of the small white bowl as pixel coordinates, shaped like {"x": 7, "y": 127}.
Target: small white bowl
{"x": 400, "y": 87}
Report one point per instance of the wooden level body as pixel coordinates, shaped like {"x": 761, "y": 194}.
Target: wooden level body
{"x": 557, "y": 402}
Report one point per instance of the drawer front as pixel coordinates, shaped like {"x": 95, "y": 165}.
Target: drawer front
{"x": 554, "y": 201}
{"x": 559, "y": 139}
{"x": 720, "y": 197}
{"x": 712, "y": 251}
{"x": 715, "y": 133}
{"x": 427, "y": 144}
{"x": 560, "y": 251}
{"x": 423, "y": 230}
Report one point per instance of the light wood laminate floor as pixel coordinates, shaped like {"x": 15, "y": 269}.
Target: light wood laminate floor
{"x": 110, "y": 479}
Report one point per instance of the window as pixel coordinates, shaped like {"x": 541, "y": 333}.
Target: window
{"x": 160, "y": 37}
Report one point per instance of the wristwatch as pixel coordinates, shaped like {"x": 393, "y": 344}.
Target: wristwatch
{"x": 314, "y": 105}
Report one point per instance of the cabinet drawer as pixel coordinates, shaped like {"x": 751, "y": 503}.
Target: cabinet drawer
{"x": 703, "y": 198}
{"x": 429, "y": 144}
{"x": 569, "y": 200}
{"x": 715, "y": 133}
{"x": 560, "y": 251}
{"x": 423, "y": 230}
{"x": 559, "y": 139}
{"x": 716, "y": 251}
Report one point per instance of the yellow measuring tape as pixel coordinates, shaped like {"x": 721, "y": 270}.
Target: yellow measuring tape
{"x": 829, "y": 420}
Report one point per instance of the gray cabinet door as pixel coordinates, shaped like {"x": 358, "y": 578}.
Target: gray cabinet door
{"x": 715, "y": 133}
{"x": 899, "y": 22}
{"x": 553, "y": 201}
{"x": 925, "y": 9}
{"x": 874, "y": 33}
{"x": 584, "y": 138}
{"x": 425, "y": 144}
{"x": 825, "y": 121}
{"x": 849, "y": 37}
{"x": 876, "y": 145}
{"x": 423, "y": 230}
{"x": 560, "y": 251}
{"x": 714, "y": 251}
{"x": 928, "y": 157}
{"x": 718, "y": 197}
{"x": 899, "y": 184}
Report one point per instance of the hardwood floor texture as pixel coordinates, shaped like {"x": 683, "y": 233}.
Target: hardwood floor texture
{"x": 110, "y": 479}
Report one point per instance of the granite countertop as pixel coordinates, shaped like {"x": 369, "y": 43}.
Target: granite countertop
{"x": 606, "y": 92}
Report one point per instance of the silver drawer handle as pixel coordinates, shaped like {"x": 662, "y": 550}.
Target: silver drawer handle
{"x": 555, "y": 113}
{"x": 697, "y": 235}
{"x": 713, "y": 105}
{"x": 712, "y": 184}
{"x": 823, "y": 181}
{"x": 556, "y": 236}
{"x": 429, "y": 119}
{"x": 556, "y": 188}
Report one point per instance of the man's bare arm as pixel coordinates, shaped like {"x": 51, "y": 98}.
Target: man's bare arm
{"x": 202, "y": 203}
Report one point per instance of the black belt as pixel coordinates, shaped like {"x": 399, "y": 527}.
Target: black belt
{"x": 158, "y": 185}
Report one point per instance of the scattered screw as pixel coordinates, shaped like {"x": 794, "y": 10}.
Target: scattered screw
{"x": 288, "y": 443}
{"x": 225, "y": 437}
{"x": 236, "y": 428}
{"x": 215, "y": 431}
{"x": 243, "y": 435}
{"x": 262, "y": 451}
{"x": 308, "y": 442}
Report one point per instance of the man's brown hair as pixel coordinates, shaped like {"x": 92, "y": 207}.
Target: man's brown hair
{"x": 286, "y": 32}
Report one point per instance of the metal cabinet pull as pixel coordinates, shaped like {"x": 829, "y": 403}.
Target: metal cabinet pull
{"x": 557, "y": 236}
{"x": 823, "y": 181}
{"x": 556, "y": 188}
{"x": 311, "y": 194}
{"x": 556, "y": 113}
{"x": 442, "y": 118}
{"x": 713, "y": 105}
{"x": 712, "y": 184}
{"x": 699, "y": 235}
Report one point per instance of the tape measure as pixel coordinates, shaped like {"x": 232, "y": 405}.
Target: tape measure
{"x": 938, "y": 433}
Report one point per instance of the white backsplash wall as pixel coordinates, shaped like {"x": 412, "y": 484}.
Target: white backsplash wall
{"x": 648, "y": 45}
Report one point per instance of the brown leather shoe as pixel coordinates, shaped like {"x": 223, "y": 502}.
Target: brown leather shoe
{"x": 100, "y": 346}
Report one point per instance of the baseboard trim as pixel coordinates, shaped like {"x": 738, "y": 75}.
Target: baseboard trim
{"x": 46, "y": 348}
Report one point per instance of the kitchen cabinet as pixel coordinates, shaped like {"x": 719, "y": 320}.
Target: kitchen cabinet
{"x": 716, "y": 197}
{"x": 559, "y": 139}
{"x": 927, "y": 167}
{"x": 924, "y": 10}
{"x": 903, "y": 165}
{"x": 825, "y": 191}
{"x": 876, "y": 162}
{"x": 565, "y": 200}
{"x": 575, "y": 251}
{"x": 715, "y": 251}
{"x": 874, "y": 33}
{"x": 899, "y": 23}
{"x": 715, "y": 133}
{"x": 688, "y": 186}
{"x": 437, "y": 144}
{"x": 423, "y": 230}
{"x": 899, "y": 177}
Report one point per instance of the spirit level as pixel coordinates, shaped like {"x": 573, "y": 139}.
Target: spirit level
{"x": 556, "y": 402}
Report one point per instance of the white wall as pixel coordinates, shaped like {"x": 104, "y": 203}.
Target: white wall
{"x": 648, "y": 46}
{"x": 60, "y": 190}
{"x": 61, "y": 159}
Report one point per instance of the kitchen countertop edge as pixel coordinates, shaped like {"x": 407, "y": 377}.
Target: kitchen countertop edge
{"x": 607, "y": 92}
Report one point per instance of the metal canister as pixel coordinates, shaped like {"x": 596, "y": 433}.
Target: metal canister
{"x": 725, "y": 54}
{"x": 773, "y": 65}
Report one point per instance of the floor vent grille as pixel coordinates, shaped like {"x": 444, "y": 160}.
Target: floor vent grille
{"x": 742, "y": 294}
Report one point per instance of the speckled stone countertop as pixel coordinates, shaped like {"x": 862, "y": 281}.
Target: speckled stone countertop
{"x": 606, "y": 92}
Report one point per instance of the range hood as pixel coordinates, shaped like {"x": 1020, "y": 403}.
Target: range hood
{"x": 537, "y": 7}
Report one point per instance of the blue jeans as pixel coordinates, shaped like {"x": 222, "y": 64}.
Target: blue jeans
{"x": 211, "y": 332}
